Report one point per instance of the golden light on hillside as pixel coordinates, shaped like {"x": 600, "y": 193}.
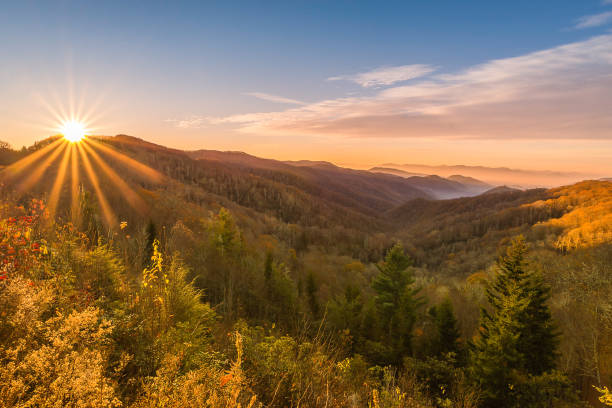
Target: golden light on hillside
{"x": 73, "y": 131}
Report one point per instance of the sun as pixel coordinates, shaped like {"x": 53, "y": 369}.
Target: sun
{"x": 73, "y": 131}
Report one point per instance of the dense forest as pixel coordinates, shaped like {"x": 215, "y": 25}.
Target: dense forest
{"x": 218, "y": 279}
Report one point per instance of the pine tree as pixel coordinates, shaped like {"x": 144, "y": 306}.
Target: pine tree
{"x": 538, "y": 339}
{"x": 447, "y": 332}
{"x": 495, "y": 360}
{"x": 517, "y": 338}
{"x": 396, "y": 301}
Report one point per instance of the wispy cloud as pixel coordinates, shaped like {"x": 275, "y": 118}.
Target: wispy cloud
{"x": 558, "y": 93}
{"x": 274, "y": 98}
{"x": 605, "y": 2}
{"x": 192, "y": 122}
{"x": 595, "y": 20}
{"x": 386, "y": 75}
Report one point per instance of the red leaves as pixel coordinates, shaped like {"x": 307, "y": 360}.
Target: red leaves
{"x": 18, "y": 248}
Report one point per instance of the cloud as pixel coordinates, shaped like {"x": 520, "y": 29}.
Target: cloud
{"x": 192, "y": 122}
{"x": 604, "y": 2}
{"x": 558, "y": 93}
{"x": 386, "y": 75}
{"x": 594, "y": 20}
{"x": 275, "y": 98}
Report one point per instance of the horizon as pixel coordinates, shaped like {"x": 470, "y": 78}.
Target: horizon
{"x": 212, "y": 79}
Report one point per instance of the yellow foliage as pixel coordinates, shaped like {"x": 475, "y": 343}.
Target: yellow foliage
{"x": 587, "y": 218}
{"x": 203, "y": 387}
{"x": 155, "y": 274}
{"x": 606, "y": 396}
{"x": 55, "y": 361}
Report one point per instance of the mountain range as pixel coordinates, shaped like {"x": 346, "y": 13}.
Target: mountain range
{"x": 495, "y": 176}
{"x": 358, "y": 212}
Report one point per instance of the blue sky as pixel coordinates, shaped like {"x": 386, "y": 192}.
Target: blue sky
{"x": 261, "y": 76}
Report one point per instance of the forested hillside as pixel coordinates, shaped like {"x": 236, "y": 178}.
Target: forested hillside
{"x": 221, "y": 279}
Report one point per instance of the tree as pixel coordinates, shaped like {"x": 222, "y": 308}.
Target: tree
{"x": 495, "y": 360}
{"x": 447, "y": 333}
{"x": 226, "y": 239}
{"x": 396, "y": 302}
{"x": 538, "y": 339}
{"x": 345, "y": 315}
{"x": 224, "y": 233}
{"x": 517, "y": 341}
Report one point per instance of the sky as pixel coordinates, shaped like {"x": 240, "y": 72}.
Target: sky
{"x": 521, "y": 84}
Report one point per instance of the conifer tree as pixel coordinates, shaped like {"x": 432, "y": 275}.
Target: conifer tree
{"x": 396, "y": 301}
{"x": 447, "y": 332}
{"x": 539, "y": 339}
{"x": 517, "y": 338}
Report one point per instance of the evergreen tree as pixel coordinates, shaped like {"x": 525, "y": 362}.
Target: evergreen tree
{"x": 447, "y": 332}
{"x": 495, "y": 360}
{"x": 517, "y": 339}
{"x": 539, "y": 339}
{"x": 397, "y": 302}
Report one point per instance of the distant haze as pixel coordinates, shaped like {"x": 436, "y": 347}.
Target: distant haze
{"x": 498, "y": 175}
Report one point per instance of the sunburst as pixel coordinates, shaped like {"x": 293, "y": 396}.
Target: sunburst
{"x": 73, "y": 131}
{"x": 77, "y": 151}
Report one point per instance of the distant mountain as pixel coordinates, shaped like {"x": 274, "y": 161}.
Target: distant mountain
{"x": 501, "y": 189}
{"x": 438, "y": 187}
{"x": 498, "y": 175}
{"x": 469, "y": 181}
{"x": 442, "y": 188}
{"x": 360, "y": 190}
{"x": 360, "y": 187}
{"x": 397, "y": 172}
{"x": 309, "y": 163}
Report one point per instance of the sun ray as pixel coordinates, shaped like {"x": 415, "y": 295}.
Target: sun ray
{"x": 59, "y": 182}
{"x": 74, "y": 178}
{"x": 18, "y": 167}
{"x": 40, "y": 169}
{"x": 131, "y": 196}
{"x": 93, "y": 178}
{"x": 55, "y": 113}
{"x": 143, "y": 169}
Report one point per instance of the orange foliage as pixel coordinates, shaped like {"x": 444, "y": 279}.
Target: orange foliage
{"x": 587, "y": 218}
